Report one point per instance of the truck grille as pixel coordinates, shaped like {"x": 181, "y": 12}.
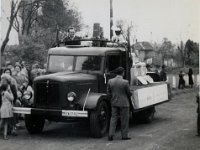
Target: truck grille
{"x": 47, "y": 94}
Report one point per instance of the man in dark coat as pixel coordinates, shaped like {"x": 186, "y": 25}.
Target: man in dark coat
{"x": 163, "y": 75}
{"x": 72, "y": 39}
{"x": 118, "y": 90}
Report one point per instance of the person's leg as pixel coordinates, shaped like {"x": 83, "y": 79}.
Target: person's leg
{"x": 113, "y": 121}
{"x": 1, "y": 124}
{"x": 198, "y": 124}
{"x": 179, "y": 84}
{"x": 12, "y": 125}
{"x": 5, "y": 129}
{"x": 16, "y": 116}
{"x": 124, "y": 116}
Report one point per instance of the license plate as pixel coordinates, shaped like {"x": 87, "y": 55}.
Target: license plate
{"x": 69, "y": 113}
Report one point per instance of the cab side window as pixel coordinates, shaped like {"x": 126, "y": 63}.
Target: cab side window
{"x": 112, "y": 62}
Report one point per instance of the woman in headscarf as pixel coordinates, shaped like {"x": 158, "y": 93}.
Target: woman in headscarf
{"x": 22, "y": 81}
{"x": 190, "y": 74}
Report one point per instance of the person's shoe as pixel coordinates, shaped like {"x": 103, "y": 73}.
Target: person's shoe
{"x": 110, "y": 138}
{"x": 5, "y": 137}
{"x": 126, "y": 138}
{"x": 9, "y": 132}
{"x": 14, "y": 133}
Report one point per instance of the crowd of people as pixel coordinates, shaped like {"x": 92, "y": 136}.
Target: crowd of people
{"x": 162, "y": 72}
{"x": 14, "y": 80}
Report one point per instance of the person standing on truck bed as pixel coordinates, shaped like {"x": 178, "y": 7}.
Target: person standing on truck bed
{"x": 118, "y": 90}
{"x": 71, "y": 39}
{"x": 118, "y": 37}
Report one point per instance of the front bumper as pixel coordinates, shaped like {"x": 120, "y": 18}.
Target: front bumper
{"x": 51, "y": 112}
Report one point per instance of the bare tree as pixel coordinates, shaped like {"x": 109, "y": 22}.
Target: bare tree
{"x": 27, "y": 17}
{"x": 40, "y": 19}
{"x": 27, "y": 14}
{"x": 166, "y": 49}
{"x": 13, "y": 13}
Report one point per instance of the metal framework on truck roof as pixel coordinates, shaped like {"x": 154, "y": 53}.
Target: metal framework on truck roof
{"x": 95, "y": 43}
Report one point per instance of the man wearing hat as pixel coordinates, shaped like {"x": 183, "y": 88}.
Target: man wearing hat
{"x": 118, "y": 90}
{"x": 118, "y": 36}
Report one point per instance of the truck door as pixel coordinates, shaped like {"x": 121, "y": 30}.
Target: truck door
{"x": 112, "y": 61}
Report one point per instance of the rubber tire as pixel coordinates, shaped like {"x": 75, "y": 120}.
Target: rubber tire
{"x": 95, "y": 128}
{"x": 34, "y": 123}
{"x": 148, "y": 115}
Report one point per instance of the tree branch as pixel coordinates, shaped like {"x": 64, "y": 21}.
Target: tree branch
{"x": 12, "y": 17}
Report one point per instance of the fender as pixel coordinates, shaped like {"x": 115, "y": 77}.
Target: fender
{"x": 92, "y": 100}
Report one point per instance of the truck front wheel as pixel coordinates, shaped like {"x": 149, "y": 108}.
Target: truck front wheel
{"x": 99, "y": 120}
{"x": 34, "y": 124}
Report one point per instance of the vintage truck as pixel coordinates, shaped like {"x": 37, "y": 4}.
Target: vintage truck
{"x": 74, "y": 88}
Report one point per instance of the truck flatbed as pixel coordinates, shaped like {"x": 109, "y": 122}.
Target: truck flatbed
{"x": 148, "y": 95}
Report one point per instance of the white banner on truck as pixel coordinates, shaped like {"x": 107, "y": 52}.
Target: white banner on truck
{"x": 150, "y": 95}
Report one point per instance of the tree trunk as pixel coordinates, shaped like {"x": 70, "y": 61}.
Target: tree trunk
{"x": 7, "y": 37}
{"x": 12, "y": 17}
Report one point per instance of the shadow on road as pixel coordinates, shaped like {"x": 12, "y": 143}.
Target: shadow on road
{"x": 66, "y": 130}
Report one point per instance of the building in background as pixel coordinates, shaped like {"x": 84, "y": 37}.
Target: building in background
{"x": 144, "y": 51}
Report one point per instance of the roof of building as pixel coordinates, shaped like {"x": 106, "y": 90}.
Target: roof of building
{"x": 143, "y": 46}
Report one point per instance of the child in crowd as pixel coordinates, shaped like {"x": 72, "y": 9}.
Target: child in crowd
{"x": 6, "y": 106}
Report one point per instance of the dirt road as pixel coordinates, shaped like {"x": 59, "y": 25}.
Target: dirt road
{"x": 174, "y": 128}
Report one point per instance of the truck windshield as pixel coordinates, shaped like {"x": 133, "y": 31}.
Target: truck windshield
{"x": 59, "y": 63}
{"x": 91, "y": 63}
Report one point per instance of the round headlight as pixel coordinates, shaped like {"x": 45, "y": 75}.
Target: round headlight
{"x": 71, "y": 96}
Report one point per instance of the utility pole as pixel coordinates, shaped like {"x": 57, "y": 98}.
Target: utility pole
{"x": 128, "y": 54}
{"x": 111, "y": 18}
{"x": 1, "y": 37}
{"x": 57, "y": 34}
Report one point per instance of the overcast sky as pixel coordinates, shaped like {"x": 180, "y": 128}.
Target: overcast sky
{"x": 152, "y": 19}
